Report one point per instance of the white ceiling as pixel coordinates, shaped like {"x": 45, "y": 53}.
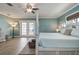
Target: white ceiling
{"x": 46, "y": 10}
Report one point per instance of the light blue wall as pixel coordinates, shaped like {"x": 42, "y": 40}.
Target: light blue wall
{"x": 63, "y": 17}
{"x": 16, "y": 30}
{"x": 47, "y": 24}
{"x": 4, "y": 25}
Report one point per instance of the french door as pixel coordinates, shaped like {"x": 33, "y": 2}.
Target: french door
{"x": 27, "y": 28}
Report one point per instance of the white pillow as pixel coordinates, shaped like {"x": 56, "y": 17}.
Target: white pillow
{"x": 77, "y": 24}
{"x": 77, "y": 27}
{"x": 75, "y": 32}
{"x": 62, "y": 30}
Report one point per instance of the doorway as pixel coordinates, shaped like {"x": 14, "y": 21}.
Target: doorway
{"x": 27, "y": 28}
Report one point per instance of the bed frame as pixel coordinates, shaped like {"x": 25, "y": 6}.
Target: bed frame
{"x": 58, "y": 51}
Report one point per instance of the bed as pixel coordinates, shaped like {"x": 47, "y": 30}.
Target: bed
{"x": 57, "y": 43}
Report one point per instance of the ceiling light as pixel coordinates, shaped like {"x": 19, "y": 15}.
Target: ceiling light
{"x": 13, "y": 24}
{"x": 29, "y": 10}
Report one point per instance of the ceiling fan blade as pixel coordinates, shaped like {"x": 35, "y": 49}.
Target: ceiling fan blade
{"x": 35, "y": 8}
{"x": 9, "y": 4}
{"x": 33, "y": 12}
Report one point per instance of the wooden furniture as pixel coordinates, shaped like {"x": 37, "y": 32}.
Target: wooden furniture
{"x": 32, "y": 44}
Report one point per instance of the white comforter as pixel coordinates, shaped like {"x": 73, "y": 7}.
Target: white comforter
{"x": 49, "y": 40}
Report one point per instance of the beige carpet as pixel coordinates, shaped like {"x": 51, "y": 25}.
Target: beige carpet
{"x": 27, "y": 51}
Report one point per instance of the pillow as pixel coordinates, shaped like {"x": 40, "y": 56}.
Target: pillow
{"x": 77, "y": 27}
{"x": 75, "y": 32}
{"x": 39, "y": 43}
{"x": 77, "y": 24}
{"x": 68, "y": 31}
{"x": 62, "y": 30}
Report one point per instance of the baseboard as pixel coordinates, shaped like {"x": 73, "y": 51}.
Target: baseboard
{"x": 17, "y": 36}
{"x": 14, "y": 37}
{"x": 9, "y": 37}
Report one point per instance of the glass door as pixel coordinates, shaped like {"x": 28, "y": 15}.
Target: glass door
{"x": 27, "y": 28}
{"x": 31, "y": 28}
{"x": 24, "y": 29}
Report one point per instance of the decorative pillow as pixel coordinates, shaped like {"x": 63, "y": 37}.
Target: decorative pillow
{"x": 68, "y": 31}
{"x": 77, "y": 27}
{"x": 39, "y": 43}
{"x": 77, "y": 24}
{"x": 75, "y": 32}
{"x": 62, "y": 30}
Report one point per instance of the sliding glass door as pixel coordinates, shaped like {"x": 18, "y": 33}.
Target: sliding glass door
{"x": 27, "y": 28}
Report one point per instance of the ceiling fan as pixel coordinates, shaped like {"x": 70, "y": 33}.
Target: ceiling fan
{"x": 9, "y": 4}
{"x": 30, "y": 8}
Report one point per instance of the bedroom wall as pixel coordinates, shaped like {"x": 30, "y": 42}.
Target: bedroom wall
{"x": 62, "y": 19}
{"x": 5, "y": 26}
{"x": 47, "y": 24}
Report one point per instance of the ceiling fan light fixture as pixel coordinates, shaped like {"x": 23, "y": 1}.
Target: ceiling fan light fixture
{"x": 29, "y": 10}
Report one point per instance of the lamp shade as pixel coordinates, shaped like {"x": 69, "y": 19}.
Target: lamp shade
{"x": 13, "y": 24}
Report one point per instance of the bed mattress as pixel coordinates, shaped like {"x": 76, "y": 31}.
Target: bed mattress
{"x": 57, "y": 40}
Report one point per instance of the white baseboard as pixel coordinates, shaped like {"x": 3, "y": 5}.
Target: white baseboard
{"x": 3, "y": 40}
{"x": 16, "y": 36}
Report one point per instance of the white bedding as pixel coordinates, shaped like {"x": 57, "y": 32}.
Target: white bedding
{"x": 57, "y": 40}
{"x": 50, "y": 42}
{"x": 56, "y": 36}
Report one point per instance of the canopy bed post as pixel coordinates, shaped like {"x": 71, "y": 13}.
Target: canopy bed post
{"x": 37, "y": 31}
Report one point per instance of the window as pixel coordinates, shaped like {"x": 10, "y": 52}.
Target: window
{"x": 31, "y": 28}
{"x": 24, "y": 28}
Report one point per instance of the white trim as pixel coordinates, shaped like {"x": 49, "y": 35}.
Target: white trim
{"x": 9, "y": 37}
{"x": 69, "y": 10}
{"x": 37, "y": 31}
{"x": 16, "y": 36}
